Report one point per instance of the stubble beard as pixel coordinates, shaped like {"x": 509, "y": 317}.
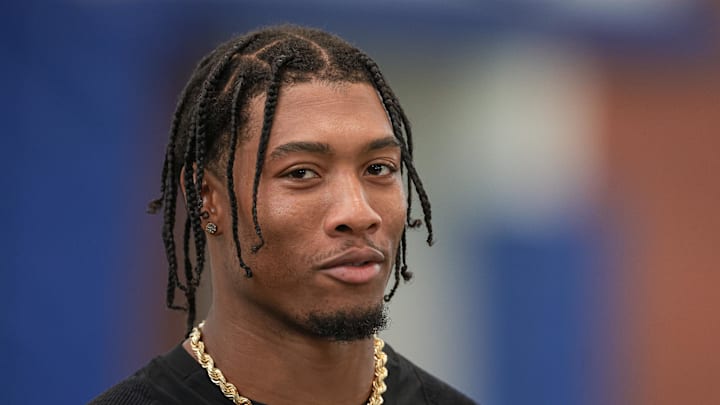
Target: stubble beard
{"x": 348, "y": 325}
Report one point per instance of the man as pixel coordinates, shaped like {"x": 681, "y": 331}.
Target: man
{"x": 289, "y": 150}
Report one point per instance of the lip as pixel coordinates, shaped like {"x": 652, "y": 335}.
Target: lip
{"x": 344, "y": 267}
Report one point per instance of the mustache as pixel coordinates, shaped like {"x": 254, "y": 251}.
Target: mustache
{"x": 347, "y": 244}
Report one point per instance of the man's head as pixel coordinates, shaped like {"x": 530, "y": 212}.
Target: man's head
{"x": 290, "y": 140}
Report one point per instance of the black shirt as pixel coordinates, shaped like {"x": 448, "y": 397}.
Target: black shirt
{"x": 176, "y": 378}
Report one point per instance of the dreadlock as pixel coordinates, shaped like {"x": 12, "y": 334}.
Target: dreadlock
{"x": 208, "y": 124}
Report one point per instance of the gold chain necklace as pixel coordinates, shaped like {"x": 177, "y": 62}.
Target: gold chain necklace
{"x": 230, "y": 391}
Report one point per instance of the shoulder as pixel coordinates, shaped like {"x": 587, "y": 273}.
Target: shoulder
{"x": 421, "y": 385}
{"x": 167, "y": 379}
{"x": 134, "y": 390}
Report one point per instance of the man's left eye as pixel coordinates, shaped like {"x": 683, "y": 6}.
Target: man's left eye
{"x": 379, "y": 169}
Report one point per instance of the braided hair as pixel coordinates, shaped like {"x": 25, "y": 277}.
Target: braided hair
{"x": 210, "y": 119}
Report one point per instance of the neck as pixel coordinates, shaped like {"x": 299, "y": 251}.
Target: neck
{"x": 276, "y": 366}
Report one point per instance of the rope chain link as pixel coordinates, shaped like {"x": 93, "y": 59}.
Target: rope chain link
{"x": 230, "y": 391}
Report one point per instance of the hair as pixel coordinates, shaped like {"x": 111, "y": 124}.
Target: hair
{"x": 210, "y": 119}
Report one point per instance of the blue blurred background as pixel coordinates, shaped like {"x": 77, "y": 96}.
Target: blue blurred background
{"x": 545, "y": 133}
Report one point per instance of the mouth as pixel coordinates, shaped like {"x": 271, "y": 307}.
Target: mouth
{"x": 354, "y": 266}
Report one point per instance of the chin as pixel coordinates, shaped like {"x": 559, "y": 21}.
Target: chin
{"x": 347, "y": 325}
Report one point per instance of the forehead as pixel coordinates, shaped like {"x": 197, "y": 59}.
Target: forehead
{"x": 323, "y": 110}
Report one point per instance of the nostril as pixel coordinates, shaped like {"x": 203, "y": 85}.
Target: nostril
{"x": 343, "y": 228}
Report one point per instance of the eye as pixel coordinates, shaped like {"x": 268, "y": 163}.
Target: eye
{"x": 302, "y": 174}
{"x": 381, "y": 169}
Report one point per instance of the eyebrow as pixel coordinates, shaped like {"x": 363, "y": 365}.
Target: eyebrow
{"x": 325, "y": 149}
{"x": 311, "y": 147}
{"x": 387, "y": 142}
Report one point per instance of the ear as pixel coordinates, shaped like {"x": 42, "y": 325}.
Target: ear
{"x": 214, "y": 202}
{"x": 212, "y": 195}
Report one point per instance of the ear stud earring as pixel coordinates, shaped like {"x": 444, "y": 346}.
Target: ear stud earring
{"x": 211, "y": 228}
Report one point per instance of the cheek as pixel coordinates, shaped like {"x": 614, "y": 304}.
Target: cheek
{"x": 396, "y": 217}
{"x": 290, "y": 224}
{"x": 288, "y": 212}
{"x": 393, "y": 207}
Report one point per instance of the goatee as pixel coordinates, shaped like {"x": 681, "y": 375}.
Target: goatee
{"x": 346, "y": 326}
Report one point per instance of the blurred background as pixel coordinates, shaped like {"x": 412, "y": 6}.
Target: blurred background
{"x": 571, "y": 150}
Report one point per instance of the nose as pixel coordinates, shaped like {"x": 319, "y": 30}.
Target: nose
{"x": 350, "y": 211}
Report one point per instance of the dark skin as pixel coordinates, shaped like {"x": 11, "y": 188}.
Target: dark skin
{"x": 332, "y": 209}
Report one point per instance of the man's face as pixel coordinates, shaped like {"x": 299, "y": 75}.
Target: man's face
{"x": 330, "y": 204}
